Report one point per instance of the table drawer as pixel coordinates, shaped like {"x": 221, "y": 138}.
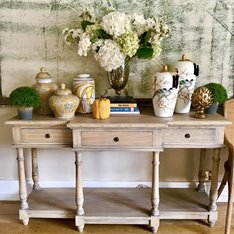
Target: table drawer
{"x": 133, "y": 139}
{"x": 189, "y": 137}
{"x": 46, "y": 136}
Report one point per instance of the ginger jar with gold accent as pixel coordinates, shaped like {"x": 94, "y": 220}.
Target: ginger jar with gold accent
{"x": 63, "y": 103}
{"x": 188, "y": 72}
{"x": 165, "y": 90}
{"x": 46, "y": 88}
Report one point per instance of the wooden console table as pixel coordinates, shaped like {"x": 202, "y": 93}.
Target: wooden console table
{"x": 124, "y": 133}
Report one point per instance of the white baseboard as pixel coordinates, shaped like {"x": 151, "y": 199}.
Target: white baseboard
{"x": 9, "y": 188}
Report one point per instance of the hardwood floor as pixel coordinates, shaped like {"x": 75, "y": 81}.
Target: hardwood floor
{"x": 10, "y": 224}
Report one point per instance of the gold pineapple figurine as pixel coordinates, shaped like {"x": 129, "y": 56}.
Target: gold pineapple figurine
{"x": 201, "y": 99}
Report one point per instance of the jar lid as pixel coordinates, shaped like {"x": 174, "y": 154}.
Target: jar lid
{"x": 62, "y": 91}
{"x": 43, "y": 74}
{"x": 84, "y": 75}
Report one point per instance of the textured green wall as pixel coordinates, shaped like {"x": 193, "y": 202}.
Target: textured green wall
{"x": 31, "y": 37}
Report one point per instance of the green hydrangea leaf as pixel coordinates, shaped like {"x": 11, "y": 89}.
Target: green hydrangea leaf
{"x": 145, "y": 53}
{"x": 103, "y": 35}
{"x": 85, "y": 23}
{"x": 99, "y": 34}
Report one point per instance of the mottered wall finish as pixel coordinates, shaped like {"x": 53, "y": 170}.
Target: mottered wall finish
{"x": 31, "y": 37}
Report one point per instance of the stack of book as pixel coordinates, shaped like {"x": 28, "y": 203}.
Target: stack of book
{"x": 124, "y": 108}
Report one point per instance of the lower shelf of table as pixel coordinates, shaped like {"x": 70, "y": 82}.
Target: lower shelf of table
{"x": 111, "y": 205}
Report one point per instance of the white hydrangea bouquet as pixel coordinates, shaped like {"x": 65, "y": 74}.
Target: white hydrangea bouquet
{"x": 116, "y": 36}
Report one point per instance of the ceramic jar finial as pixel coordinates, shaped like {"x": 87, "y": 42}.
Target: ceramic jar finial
{"x": 63, "y": 86}
{"x": 43, "y": 69}
{"x": 165, "y": 68}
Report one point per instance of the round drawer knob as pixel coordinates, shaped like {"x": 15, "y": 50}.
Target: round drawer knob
{"x": 187, "y": 135}
{"x": 116, "y": 139}
{"x": 47, "y": 135}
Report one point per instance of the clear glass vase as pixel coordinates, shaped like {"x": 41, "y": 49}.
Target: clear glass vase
{"x": 118, "y": 78}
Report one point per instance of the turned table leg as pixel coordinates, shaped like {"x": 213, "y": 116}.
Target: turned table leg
{"x": 230, "y": 178}
{"x": 22, "y": 187}
{"x": 214, "y": 188}
{"x": 202, "y": 171}
{"x": 155, "y": 193}
{"x": 35, "y": 171}
{"x": 79, "y": 194}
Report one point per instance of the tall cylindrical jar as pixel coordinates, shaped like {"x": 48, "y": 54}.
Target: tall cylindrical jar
{"x": 84, "y": 88}
{"x": 46, "y": 88}
{"x": 188, "y": 72}
{"x": 165, "y": 90}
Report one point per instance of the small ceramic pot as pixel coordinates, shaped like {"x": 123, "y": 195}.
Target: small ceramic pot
{"x": 25, "y": 113}
{"x": 63, "y": 103}
{"x": 46, "y": 88}
{"x": 212, "y": 109}
{"x": 165, "y": 90}
{"x": 186, "y": 70}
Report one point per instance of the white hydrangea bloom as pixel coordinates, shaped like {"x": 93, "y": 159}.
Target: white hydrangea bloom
{"x": 84, "y": 45}
{"x": 150, "y": 23}
{"x": 96, "y": 46}
{"x": 155, "y": 37}
{"x": 157, "y": 26}
{"x": 110, "y": 56}
{"x": 77, "y": 33}
{"x": 116, "y": 23}
{"x": 115, "y": 36}
{"x": 138, "y": 23}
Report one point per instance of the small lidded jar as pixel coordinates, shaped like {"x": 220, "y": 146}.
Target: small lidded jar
{"x": 45, "y": 87}
{"x": 63, "y": 103}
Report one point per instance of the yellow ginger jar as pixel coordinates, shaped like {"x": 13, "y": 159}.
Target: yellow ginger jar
{"x": 63, "y": 103}
{"x": 45, "y": 88}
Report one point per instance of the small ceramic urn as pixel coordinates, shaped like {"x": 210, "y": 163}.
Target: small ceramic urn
{"x": 45, "y": 87}
{"x": 84, "y": 88}
{"x": 63, "y": 103}
{"x": 165, "y": 90}
{"x": 188, "y": 71}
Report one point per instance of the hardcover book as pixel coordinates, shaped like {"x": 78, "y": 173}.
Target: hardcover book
{"x": 134, "y": 111}
{"x": 123, "y": 105}
{"x": 126, "y": 109}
